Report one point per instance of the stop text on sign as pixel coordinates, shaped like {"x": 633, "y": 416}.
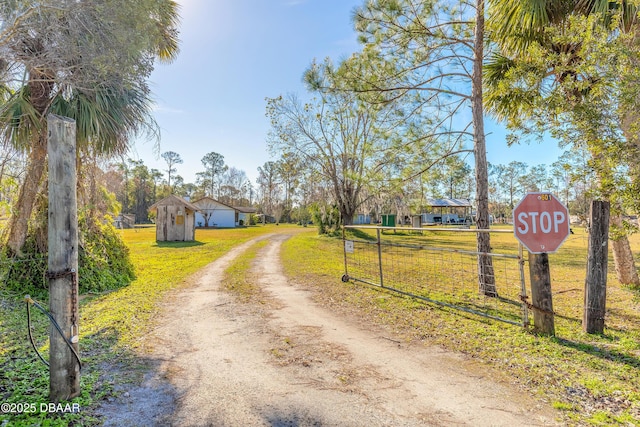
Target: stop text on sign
{"x": 541, "y": 222}
{"x": 546, "y": 222}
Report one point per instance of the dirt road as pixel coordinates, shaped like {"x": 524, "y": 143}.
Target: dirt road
{"x": 293, "y": 363}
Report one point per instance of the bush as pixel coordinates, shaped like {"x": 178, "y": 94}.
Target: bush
{"x": 326, "y": 218}
{"x": 103, "y": 261}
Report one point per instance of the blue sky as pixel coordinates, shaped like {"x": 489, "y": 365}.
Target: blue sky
{"x": 234, "y": 53}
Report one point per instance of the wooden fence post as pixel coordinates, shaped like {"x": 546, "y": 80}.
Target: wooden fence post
{"x": 64, "y": 367}
{"x": 541, "y": 296}
{"x": 595, "y": 285}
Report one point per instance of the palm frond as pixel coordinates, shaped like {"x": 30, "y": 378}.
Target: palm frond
{"x": 167, "y": 21}
{"x": 108, "y": 118}
{"x": 495, "y": 69}
{"x": 19, "y": 120}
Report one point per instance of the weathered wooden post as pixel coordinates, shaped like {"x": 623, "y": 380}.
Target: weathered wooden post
{"x": 595, "y": 286}
{"x": 64, "y": 366}
{"x": 541, "y": 296}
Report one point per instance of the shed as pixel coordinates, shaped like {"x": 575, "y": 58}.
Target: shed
{"x": 447, "y": 211}
{"x": 388, "y": 220}
{"x": 124, "y": 221}
{"x": 362, "y": 218}
{"x": 213, "y": 213}
{"x": 175, "y": 219}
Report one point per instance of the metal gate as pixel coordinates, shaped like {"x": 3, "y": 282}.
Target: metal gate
{"x": 423, "y": 263}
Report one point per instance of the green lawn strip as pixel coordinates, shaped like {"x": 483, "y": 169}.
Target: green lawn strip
{"x": 591, "y": 379}
{"x": 112, "y": 325}
{"x": 238, "y": 278}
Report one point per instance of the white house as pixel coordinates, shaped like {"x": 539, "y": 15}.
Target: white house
{"x": 212, "y": 213}
{"x": 244, "y": 214}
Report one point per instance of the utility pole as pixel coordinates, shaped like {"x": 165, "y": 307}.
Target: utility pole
{"x": 64, "y": 364}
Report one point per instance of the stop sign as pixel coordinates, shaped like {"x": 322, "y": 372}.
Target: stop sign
{"x": 541, "y": 222}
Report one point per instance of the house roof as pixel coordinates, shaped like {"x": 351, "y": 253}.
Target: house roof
{"x": 201, "y": 203}
{"x": 446, "y": 203}
{"x": 246, "y": 209}
{"x": 173, "y": 200}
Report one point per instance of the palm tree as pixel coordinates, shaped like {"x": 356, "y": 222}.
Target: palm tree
{"x": 516, "y": 25}
{"x": 104, "y": 90}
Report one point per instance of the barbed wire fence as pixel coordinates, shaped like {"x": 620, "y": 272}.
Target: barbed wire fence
{"x": 419, "y": 263}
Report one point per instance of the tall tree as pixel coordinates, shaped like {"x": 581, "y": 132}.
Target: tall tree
{"x": 588, "y": 50}
{"x": 142, "y": 191}
{"x": 156, "y": 177}
{"x": 431, "y": 53}
{"x": 172, "y": 159}
{"x": 232, "y": 181}
{"x": 536, "y": 179}
{"x": 289, "y": 168}
{"x": 214, "y": 167}
{"x": 268, "y": 184}
{"x": 124, "y": 168}
{"x": 84, "y": 60}
{"x": 335, "y": 132}
{"x": 453, "y": 173}
{"x": 511, "y": 180}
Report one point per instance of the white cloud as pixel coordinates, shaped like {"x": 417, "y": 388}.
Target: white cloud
{"x": 157, "y": 108}
{"x": 292, "y": 3}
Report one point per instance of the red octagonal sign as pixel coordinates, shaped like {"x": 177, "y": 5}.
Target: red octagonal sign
{"x": 541, "y": 222}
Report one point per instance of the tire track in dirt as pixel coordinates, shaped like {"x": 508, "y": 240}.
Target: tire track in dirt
{"x": 425, "y": 386}
{"x": 293, "y": 363}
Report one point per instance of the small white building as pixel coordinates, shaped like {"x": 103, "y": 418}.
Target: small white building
{"x": 212, "y": 213}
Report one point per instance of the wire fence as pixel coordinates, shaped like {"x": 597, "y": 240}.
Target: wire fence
{"x": 439, "y": 266}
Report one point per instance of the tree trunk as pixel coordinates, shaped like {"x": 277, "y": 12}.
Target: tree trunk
{"x": 40, "y": 87}
{"x": 19, "y": 224}
{"x": 625, "y": 267}
{"x": 626, "y": 272}
{"x": 486, "y": 277}
{"x": 595, "y": 285}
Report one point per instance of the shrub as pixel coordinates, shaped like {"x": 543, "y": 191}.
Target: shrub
{"x": 326, "y": 218}
{"x": 103, "y": 260}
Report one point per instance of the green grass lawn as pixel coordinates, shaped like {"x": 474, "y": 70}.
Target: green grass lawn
{"x": 112, "y": 325}
{"x": 590, "y": 379}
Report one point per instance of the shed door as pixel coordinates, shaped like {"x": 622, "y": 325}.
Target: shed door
{"x": 170, "y": 224}
{"x": 176, "y": 222}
